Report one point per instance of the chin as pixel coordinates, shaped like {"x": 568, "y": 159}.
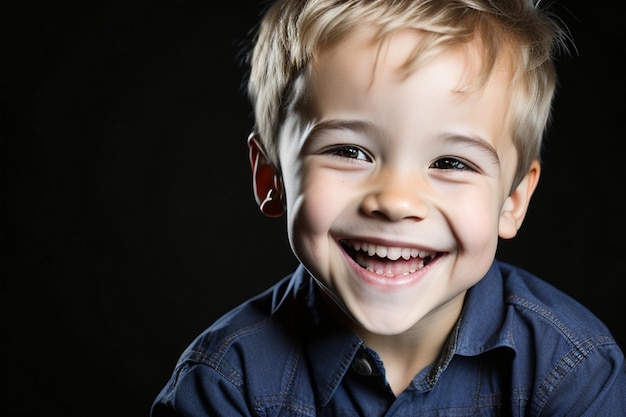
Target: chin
{"x": 385, "y": 324}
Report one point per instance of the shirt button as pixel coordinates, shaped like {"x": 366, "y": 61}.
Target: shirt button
{"x": 362, "y": 365}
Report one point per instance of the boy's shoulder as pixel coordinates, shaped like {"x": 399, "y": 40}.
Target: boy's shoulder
{"x": 513, "y": 307}
{"x": 265, "y": 327}
{"x": 265, "y": 344}
{"x": 533, "y": 295}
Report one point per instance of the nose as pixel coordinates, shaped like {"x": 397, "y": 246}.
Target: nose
{"x": 397, "y": 197}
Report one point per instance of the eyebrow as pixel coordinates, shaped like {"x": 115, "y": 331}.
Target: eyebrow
{"x": 341, "y": 124}
{"x": 475, "y": 141}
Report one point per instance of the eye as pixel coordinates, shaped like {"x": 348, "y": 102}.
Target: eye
{"x": 350, "y": 152}
{"x": 448, "y": 163}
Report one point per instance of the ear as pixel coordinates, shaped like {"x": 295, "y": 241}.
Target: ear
{"x": 268, "y": 189}
{"x": 516, "y": 204}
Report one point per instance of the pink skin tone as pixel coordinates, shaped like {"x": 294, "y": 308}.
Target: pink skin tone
{"x": 404, "y": 166}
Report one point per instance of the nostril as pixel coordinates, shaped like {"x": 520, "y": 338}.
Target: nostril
{"x": 396, "y": 209}
{"x": 379, "y": 214}
{"x": 397, "y": 200}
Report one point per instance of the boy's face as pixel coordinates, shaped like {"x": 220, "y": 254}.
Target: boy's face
{"x": 397, "y": 187}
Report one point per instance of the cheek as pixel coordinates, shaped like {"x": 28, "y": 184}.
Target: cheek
{"x": 316, "y": 205}
{"x": 475, "y": 225}
{"x": 310, "y": 221}
{"x": 312, "y": 207}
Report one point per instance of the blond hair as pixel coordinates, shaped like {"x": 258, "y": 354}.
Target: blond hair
{"x": 292, "y": 32}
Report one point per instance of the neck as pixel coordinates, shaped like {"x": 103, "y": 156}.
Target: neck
{"x": 406, "y": 354}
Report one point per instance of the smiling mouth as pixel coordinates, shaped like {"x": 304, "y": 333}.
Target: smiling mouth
{"x": 387, "y": 260}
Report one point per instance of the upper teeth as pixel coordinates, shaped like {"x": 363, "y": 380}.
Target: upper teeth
{"x": 392, "y": 252}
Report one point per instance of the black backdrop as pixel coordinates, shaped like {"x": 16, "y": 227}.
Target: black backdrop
{"x": 128, "y": 217}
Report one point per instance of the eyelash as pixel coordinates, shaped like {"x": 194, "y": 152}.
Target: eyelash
{"x": 444, "y": 163}
{"x": 351, "y": 152}
{"x": 452, "y": 163}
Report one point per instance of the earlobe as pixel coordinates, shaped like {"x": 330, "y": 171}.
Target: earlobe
{"x": 267, "y": 185}
{"x": 516, "y": 204}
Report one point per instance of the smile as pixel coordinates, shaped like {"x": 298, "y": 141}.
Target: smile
{"x": 387, "y": 261}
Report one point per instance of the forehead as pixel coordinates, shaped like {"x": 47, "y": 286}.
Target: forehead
{"x": 365, "y": 52}
{"x": 362, "y": 63}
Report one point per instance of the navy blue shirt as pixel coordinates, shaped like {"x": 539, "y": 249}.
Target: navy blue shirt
{"x": 520, "y": 348}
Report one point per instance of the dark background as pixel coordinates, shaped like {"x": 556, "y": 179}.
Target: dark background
{"x": 128, "y": 221}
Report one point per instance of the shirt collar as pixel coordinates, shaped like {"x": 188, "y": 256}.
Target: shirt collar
{"x": 331, "y": 346}
{"x": 483, "y": 324}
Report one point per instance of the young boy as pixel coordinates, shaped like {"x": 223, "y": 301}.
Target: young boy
{"x": 401, "y": 138}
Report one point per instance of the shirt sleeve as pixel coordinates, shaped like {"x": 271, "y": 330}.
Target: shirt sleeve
{"x": 199, "y": 391}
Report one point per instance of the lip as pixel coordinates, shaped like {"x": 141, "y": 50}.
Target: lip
{"x": 386, "y": 282}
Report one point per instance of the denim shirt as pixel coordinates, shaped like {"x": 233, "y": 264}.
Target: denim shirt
{"x": 520, "y": 348}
